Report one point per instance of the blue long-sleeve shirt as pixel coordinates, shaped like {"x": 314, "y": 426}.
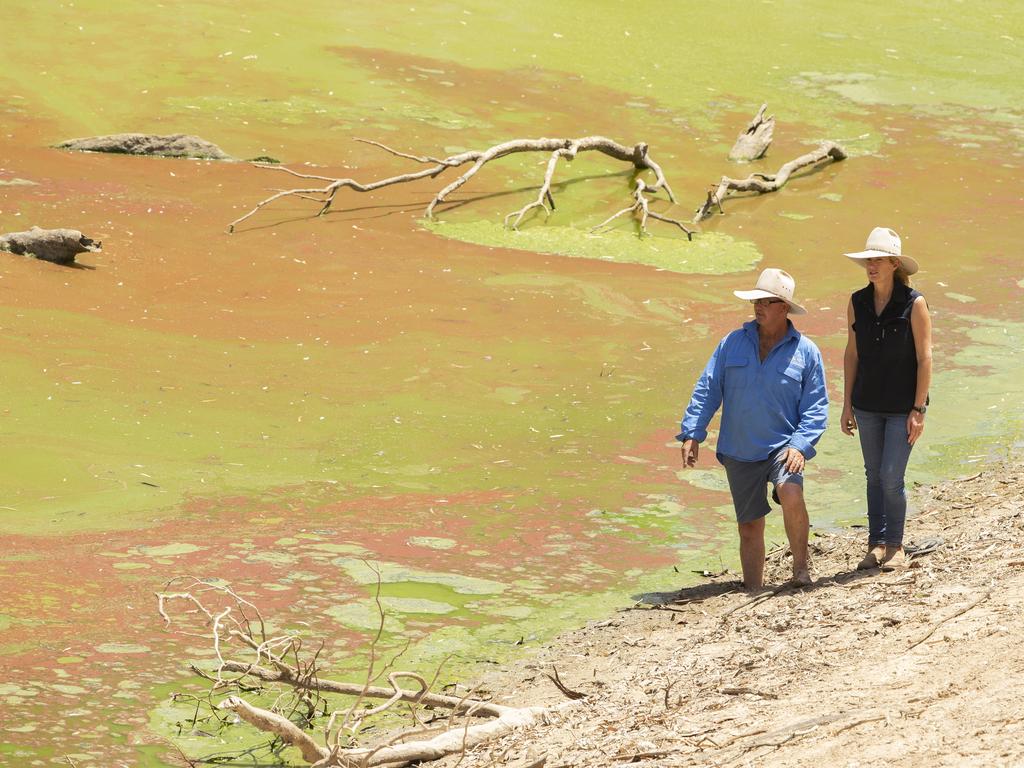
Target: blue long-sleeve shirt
{"x": 765, "y": 406}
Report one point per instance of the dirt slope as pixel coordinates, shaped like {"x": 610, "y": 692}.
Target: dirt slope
{"x": 915, "y": 667}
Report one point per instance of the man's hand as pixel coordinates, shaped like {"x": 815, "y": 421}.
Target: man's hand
{"x": 794, "y": 461}
{"x": 689, "y": 451}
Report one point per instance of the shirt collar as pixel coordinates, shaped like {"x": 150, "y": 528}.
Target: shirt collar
{"x": 900, "y": 292}
{"x": 751, "y": 330}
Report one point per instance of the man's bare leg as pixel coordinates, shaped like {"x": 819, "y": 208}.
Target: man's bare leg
{"x": 752, "y": 553}
{"x": 794, "y": 516}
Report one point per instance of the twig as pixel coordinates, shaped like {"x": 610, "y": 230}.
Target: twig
{"x": 953, "y": 615}
{"x": 759, "y": 599}
{"x": 568, "y": 692}
{"x": 741, "y": 691}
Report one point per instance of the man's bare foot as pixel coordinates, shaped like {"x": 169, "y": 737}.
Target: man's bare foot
{"x": 873, "y": 558}
{"x": 801, "y": 578}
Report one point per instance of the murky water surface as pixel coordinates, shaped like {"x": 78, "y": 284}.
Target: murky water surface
{"x": 485, "y": 416}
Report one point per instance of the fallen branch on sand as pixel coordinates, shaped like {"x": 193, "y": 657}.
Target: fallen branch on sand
{"x": 951, "y": 616}
{"x": 300, "y": 701}
{"x": 762, "y": 183}
{"x": 559, "y": 149}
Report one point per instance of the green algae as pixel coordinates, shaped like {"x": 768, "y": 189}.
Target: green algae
{"x": 160, "y": 426}
{"x": 362, "y": 572}
{"x": 70, "y": 690}
{"x": 227, "y": 71}
{"x": 703, "y": 478}
{"x": 407, "y": 605}
{"x": 168, "y": 550}
{"x": 432, "y": 542}
{"x": 121, "y": 648}
{"x": 960, "y": 297}
{"x": 336, "y": 549}
{"x": 12, "y": 689}
{"x": 207, "y": 739}
{"x": 711, "y": 253}
{"x": 364, "y": 617}
{"x": 276, "y": 559}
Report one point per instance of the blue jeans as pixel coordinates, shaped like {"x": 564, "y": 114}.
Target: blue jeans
{"x": 883, "y": 441}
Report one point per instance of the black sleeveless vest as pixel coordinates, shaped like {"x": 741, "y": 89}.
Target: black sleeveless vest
{"x": 886, "y": 379}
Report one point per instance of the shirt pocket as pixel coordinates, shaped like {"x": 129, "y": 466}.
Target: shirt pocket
{"x": 738, "y": 372}
{"x": 791, "y": 373}
{"x": 895, "y": 336}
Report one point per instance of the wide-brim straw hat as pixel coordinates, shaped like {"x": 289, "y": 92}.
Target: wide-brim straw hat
{"x": 774, "y": 284}
{"x": 882, "y": 243}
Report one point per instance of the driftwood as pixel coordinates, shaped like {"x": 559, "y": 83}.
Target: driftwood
{"x": 558, "y": 149}
{"x": 172, "y": 145}
{"x": 754, "y": 141}
{"x": 761, "y": 183}
{"x": 60, "y": 246}
{"x": 450, "y": 742}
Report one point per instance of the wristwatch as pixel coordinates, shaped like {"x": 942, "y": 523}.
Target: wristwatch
{"x": 922, "y": 409}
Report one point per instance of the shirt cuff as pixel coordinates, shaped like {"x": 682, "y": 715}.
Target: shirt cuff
{"x": 804, "y": 446}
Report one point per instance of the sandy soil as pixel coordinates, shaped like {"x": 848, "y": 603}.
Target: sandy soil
{"x": 920, "y": 666}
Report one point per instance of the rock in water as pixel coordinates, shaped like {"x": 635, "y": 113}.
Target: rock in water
{"x": 57, "y": 245}
{"x": 173, "y": 145}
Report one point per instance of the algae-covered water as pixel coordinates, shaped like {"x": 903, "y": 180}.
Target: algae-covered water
{"x": 485, "y": 417}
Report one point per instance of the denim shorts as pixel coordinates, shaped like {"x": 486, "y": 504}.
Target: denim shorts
{"x": 748, "y": 483}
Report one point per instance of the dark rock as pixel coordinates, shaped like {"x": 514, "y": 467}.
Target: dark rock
{"x": 57, "y": 245}
{"x": 173, "y": 145}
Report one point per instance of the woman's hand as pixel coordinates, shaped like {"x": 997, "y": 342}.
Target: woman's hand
{"x": 915, "y": 426}
{"x": 848, "y": 422}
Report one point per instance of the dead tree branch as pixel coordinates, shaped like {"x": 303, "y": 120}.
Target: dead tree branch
{"x": 641, "y": 206}
{"x": 761, "y": 183}
{"x": 287, "y": 676}
{"x": 282, "y": 727}
{"x": 558, "y": 149}
{"x": 301, "y": 692}
{"x": 754, "y": 141}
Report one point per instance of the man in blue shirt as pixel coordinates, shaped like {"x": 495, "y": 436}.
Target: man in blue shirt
{"x": 770, "y": 383}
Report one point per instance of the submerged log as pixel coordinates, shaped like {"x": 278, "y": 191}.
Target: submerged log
{"x": 754, "y": 141}
{"x": 60, "y": 246}
{"x": 171, "y": 145}
{"x": 761, "y": 183}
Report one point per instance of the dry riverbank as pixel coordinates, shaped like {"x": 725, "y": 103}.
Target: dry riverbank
{"x": 914, "y": 667}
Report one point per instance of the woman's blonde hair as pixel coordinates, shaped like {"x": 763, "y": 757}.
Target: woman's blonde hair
{"x": 900, "y": 275}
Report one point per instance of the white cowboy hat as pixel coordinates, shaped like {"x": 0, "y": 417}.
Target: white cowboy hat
{"x": 774, "y": 284}
{"x": 884, "y": 242}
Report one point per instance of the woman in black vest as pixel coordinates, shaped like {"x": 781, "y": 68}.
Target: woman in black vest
{"x": 888, "y": 369}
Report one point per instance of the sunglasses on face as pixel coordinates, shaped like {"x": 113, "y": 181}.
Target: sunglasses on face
{"x": 765, "y": 302}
